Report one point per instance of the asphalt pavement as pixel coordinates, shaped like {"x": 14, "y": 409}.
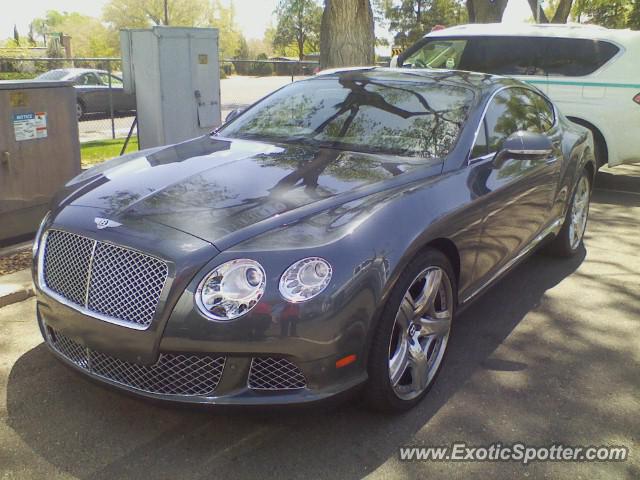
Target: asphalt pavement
{"x": 549, "y": 355}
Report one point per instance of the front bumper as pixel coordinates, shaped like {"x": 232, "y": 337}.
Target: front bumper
{"x": 289, "y": 341}
{"x": 207, "y": 378}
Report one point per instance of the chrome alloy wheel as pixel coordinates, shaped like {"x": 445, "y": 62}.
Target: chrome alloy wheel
{"x": 420, "y": 333}
{"x": 579, "y": 213}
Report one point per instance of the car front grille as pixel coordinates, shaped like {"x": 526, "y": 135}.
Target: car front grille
{"x": 275, "y": 374}
{"x": 106, "y": 279}
{"x": 172, "y": 374}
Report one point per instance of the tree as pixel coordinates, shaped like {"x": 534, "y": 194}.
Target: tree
{"x": 346, "y": 34}
{"x": 90, "y": 37}
{"x": 54, "y": 50}
{"x": 241, "y": 53}
{"x": 298, "y": 22}
{"x": 486, "y": 11}
{"x": 633, "y": 20}
{"x": 607, "y": 13}
{"x": 256, "y": 46}
{"x": 557, "y": 12}
{"x": 42, "y": 26}
{"x": 146, "y": 13}
{"x": 409, "y": 20}
{"x": 229, "y": 35}
{"x": 40, "y": 29}
{"x": 30, "y": 38}
{"x": 16, "y": 36}
{"x": 121, "y": 14}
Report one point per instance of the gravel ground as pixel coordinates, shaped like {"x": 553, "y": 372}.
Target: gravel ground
{"x": 15, "y": 262}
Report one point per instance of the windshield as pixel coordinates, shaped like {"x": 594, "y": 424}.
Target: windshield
{"x": 359, "y": 113}
{"x": 53, "y": 75}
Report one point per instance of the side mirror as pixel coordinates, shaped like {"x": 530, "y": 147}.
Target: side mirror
{"x": 233, "y": 114}
{"x": 527, "y": 145}
{"x": 523, "y": 145}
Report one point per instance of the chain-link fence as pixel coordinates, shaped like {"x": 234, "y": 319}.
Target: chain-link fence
{"x": 106, "y": 114}
{"x": 267, "y": 68}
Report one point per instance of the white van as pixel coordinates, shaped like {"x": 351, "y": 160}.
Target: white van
{"x": 591, "y": 73}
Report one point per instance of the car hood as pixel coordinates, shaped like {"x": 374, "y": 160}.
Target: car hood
{"x": 212, "y": 187}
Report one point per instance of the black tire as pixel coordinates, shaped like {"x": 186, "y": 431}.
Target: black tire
{"x": 80, "y": 110}
{"x": 378, "y": 392}
{"x": 563, "y": 245}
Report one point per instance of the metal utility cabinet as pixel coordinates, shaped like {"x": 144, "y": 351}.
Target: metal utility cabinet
{"x": 175, "y": 75}
{"x": 39, "y": 151}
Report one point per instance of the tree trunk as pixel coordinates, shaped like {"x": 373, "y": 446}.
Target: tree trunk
{"x": 346, "y": 34}
{"x": 486, "y": 11}
{"x": 471, "y": 11}
{"x": 300, "y": 40}
{"x": 561, "y": 15}
{"x": 562, "y": 11}
{"x": 533, "y": 4}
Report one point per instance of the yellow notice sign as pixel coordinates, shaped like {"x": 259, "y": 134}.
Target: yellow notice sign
{"x": 18, "y": 99}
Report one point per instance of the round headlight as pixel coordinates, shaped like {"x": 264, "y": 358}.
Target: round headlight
{"x": 305, "y": 279}
{"x": 231, "y": 289}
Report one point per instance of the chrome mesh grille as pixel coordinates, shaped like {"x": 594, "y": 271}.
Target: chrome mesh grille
{"x": 125, "y": 284}
{"x": 103, "y": 278}
{"x": 67, "y": 261}
{"x": 275, "y": 374}
{"x": 172, "y": 374}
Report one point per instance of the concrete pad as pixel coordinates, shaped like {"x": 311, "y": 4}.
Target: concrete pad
{"x": 15, "y": 287}
{"x": 549, "y": 355}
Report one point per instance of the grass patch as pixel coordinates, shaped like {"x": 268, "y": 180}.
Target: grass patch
{"x": 16, "y": 76}
{"x": 98, "y": 151}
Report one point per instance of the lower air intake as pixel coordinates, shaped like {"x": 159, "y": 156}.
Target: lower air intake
{"x": 275, "y": 374}
{"x": 172, "y": 374}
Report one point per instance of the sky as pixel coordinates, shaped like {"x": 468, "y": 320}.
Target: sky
{"x": 252, "y": 16}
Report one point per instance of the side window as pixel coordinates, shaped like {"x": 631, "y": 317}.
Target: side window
{"x": 513, "y": 110}
{"x": 504, "y": 55}
{"x": 480, "y": 148}
{"x": 104, "y": 78}
{"x": 540, "y": 117}
{"x": 440, "y": 53}
{"x": 88, "y": 79}
{"x": 504, "y": 117}
{"x": 574, "y": 57}
{"x": 115, "y": 81}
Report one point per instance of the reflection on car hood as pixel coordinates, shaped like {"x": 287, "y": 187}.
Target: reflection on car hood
{"x": 211, "y": 186}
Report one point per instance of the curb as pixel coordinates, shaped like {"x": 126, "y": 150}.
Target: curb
{"x": 10, "y": 250}
{"x": 16, "y": 287}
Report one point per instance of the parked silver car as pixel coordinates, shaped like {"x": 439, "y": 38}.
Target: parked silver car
{"x": 93, "y": 90}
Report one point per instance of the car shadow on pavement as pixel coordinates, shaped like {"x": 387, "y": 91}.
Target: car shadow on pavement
{"x": 90, "y": 431}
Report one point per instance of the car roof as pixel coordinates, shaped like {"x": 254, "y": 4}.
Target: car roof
{"x": 78, "y": 71}
{"x": 485, "y": 83}
{"x": 571, "y": 30}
